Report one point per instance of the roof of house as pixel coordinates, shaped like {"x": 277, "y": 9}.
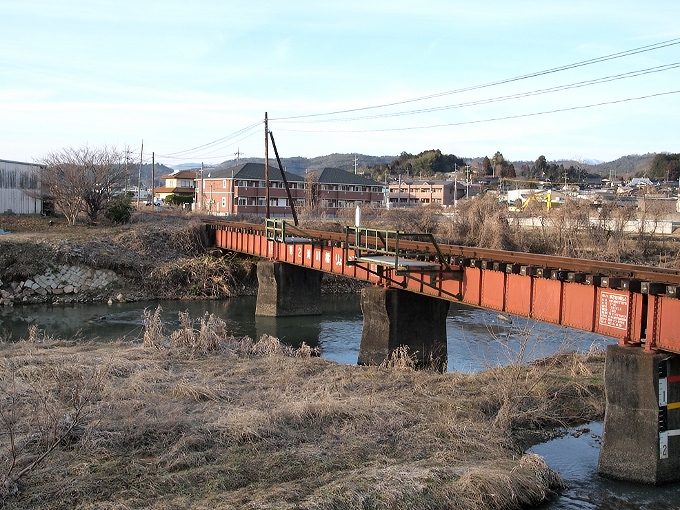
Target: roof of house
{"x": 183, "y": 174}
{"x": 253, "y": 171}
{"x": 338, "y": 176}
{"x": 175, "y": 190}
{"x": 427, "y": 183}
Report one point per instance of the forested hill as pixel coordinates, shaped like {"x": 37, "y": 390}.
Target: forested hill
{"x": 299, "y": 165}
{"x": 626, "y": 166}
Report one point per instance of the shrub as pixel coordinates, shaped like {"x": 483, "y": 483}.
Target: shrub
{"x": 120, "y": 210}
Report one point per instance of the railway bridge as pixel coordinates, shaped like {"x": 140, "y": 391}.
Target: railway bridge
{"x": 415, "y": 278}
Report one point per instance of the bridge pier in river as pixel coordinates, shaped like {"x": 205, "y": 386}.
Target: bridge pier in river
{"x": 287, "y": 290}
{"x": 395, "y": 318}
{"x": 641, "y": 437}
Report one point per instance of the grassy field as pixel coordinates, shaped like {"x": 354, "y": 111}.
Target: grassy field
{"x": 196, "y": 419}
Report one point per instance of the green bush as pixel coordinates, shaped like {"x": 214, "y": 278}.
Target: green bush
{"x": 178, "y": 200}
{"x": 120, "y": 210}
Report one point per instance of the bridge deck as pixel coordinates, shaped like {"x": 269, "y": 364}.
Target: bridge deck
{"x": 636, "y": 304}
{"x": 397, "y": 262}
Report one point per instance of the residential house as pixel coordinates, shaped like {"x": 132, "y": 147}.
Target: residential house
{"x": 20, "y": 190}
{"x": 182, "y": 184}
{"x": 241, "y": 190}
{"x": 334, "y": 189}
{"x": 415, "y": 193}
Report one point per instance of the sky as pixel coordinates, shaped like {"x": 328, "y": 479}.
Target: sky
{"x": 192, "y": 81}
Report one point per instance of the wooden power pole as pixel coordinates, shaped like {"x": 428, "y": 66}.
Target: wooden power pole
{"x": 266, "y": 166}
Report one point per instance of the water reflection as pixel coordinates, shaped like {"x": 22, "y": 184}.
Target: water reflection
{"x": 574, "y": 457}
{"x": 477, "y": 339}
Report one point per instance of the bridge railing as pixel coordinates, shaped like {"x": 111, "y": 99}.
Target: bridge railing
{"x": 385, "y": 246}
{"x": 282, "y": 232}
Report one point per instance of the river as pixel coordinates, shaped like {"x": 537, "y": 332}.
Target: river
{"x": 477, "y": 339}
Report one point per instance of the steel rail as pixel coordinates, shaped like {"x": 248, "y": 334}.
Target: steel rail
{"x": 588, "y": 266}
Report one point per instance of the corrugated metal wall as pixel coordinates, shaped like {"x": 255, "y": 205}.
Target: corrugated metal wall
{"x": 18, "y": 181}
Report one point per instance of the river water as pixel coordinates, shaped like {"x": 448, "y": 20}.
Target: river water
{"x": 477, "y": 339}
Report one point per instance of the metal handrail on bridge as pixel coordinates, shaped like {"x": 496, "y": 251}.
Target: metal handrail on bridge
{"x": 381, "y": 247}
{"x": 278, "y": 230}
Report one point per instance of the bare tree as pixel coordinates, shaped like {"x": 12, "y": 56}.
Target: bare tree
{"x": 82, "y": 179}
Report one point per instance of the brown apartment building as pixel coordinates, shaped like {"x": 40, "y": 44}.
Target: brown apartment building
{"x": 241, "y": 190}
{"x": 415, "y": 193}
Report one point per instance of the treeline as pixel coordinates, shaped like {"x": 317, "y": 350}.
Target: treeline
{"x": 430, "y": 163}
{"x": 665, "y": 167}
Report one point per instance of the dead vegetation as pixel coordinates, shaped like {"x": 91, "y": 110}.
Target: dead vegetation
{"x": 197, "y": 419}
{"x": 575, "y": 229}
{"x": 158, "y": 256}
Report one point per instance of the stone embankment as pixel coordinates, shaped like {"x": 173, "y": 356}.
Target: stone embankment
{"x": 65, "y": 283}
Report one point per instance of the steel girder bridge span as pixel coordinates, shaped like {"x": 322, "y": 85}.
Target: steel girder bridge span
{"x": 639, "y": 306}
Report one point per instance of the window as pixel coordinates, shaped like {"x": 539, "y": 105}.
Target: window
{"x": 261, "y": 202}
{"x": 224, "y": 201}
{"x": 242, "y": 201}
{"x": 224, "y": 184}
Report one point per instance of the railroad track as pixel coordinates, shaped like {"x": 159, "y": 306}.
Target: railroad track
{"x": 515, "y": 262}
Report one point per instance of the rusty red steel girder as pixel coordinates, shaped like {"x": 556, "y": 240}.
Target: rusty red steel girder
{"x": 635, "y": 304}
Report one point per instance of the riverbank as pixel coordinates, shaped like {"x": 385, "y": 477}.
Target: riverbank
{"x": 156, "y": 256}
{"x": 194, "y": 420}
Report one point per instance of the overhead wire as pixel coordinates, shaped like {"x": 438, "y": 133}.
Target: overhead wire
{"x": 221, "y": 140}
{"x": 462, "y": 123}
{"x": 219, "y": 149}
{"x": 216, "y": 145}
{"x": 626, "y": 53}
{"x": 558, "y": 88}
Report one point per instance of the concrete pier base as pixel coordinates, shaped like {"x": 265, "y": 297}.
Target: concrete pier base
{"x": 287, "y": 290}
{"x": 394, "y": 318}
{"x": 638, "y": 443}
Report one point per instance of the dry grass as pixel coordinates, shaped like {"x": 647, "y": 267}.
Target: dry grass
{"x": 246, "y": 424}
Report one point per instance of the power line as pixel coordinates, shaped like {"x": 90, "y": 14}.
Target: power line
{"x": 558, "y": 88}
{"x": 627, "y": 53}
{"x": 213, "y": 151}
{"x": 221, "y": 140}
{"x": 560, "y": 110}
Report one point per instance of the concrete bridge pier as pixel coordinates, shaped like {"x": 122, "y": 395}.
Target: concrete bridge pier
{"x": 394, "y": 318}
{"x": 641, "y": 437}
{"x": 287, "y": 290}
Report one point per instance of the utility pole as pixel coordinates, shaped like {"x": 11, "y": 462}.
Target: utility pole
{"x": 153, "y": 178}
{"x": 266, "y": 165}
{"x": 139, "y": 179}
{"x": 355, "y": 165}
{"x": 238, "y": 155}
{"x": 202, "y": 190}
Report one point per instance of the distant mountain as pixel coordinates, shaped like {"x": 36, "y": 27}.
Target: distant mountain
{"x": 625, "y": 166}
{"x": 189, "y": 166}
{"x": 146, "y": 174}
{"x": 299, "y": 165}
{"x": 586, "y": 161}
